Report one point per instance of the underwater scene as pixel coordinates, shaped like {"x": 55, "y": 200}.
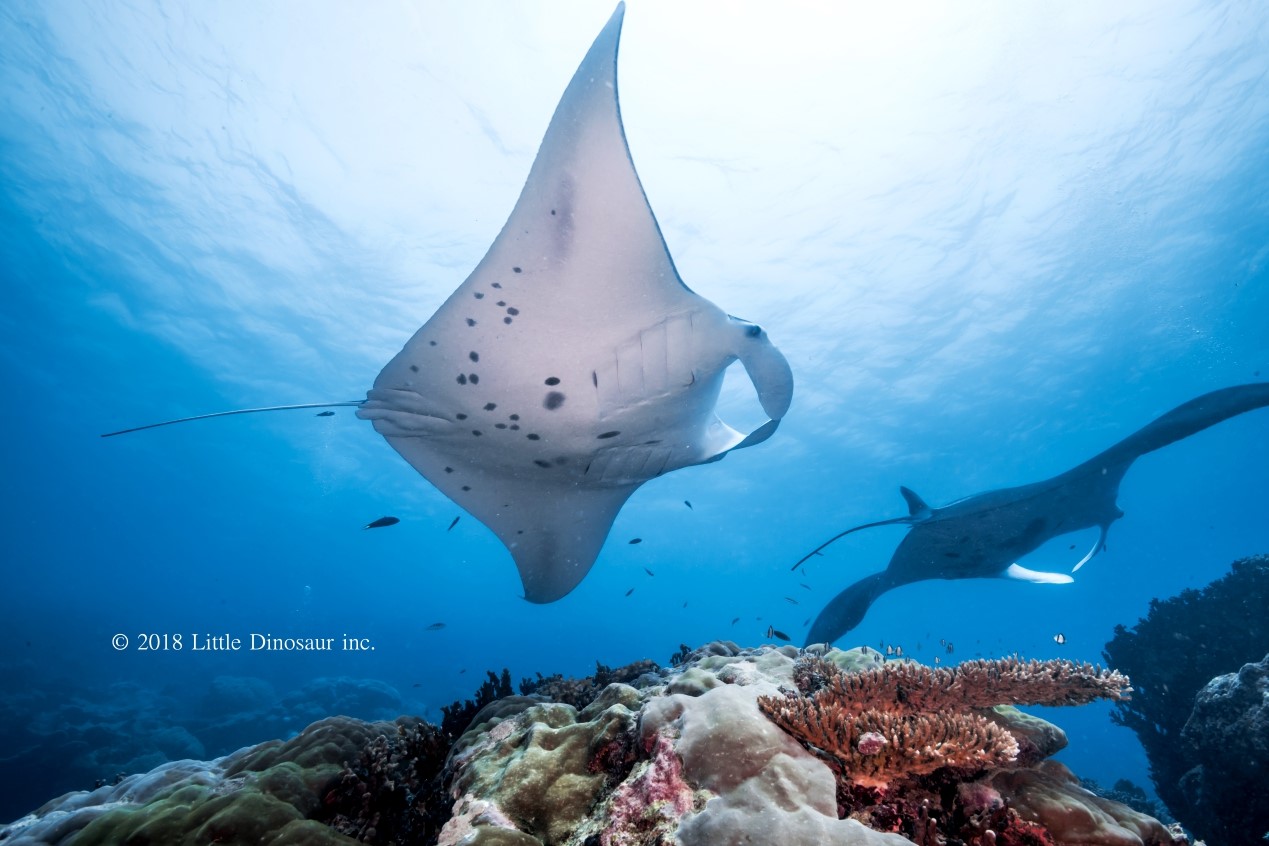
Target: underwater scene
{"x": 849, "y": 429}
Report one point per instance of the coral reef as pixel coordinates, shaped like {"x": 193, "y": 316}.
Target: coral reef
{"x": 1172, "y": 654}
{"x": 901, "y": 720}
{"x": 683, "y": 756}
{"x": 390, "y": 793}
{"x": 128, "y": 728}
{"x": 1228, "y": 736}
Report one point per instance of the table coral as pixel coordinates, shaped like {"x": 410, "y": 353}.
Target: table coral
{"x": 901, "y": 720}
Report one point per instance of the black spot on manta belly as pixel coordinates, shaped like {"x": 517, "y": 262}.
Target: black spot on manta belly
{"x": 471, "y": 322}
{"x": 513, "y": 417}
{"x": 462, "y": 379}
{"x": 478, "y": 295}
{"x": 473, "y": 378}
{"x": 514, "y": 269}
{"x": 500, "y": 425}
{"x": 449, "y": 469}
{"x": 506, "y": 320}
{"x": 466, "y": 487}
{"x": 552, "y": 380}
{"x": 414, "y": 368}
{"x": 495, "y": 284}
{"x": 553, "y": 401}
{"x": 594, "y": 378}
{"x": 431, "y": 343}
{"x": 501, "y": 303}
{"x": 477, "y": 432}
{"x": 531, "y": 436}
{"x": 490, "y": 406}
{"x": 539, "y": 462}
{"x": 473, "y": 355}
{"x": 607, "y": 435}
{"x": 512, "y": 310}
{"x": 515, "y": 427}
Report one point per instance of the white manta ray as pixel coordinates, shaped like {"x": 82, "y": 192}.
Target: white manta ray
{"x": 573, "y": 364}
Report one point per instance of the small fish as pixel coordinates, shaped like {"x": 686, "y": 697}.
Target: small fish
{"x": 463, "y": 670}
{"x": 688, "y": 504}
{"x": 735, "y": 620}
{"x": 898, "y": 652}
{"x": 805, "y": 585}
{"x": 1059, "y": 638}
{"x": 417, "y": 684}
{"x": 629, "y": 591}
{"x": 455, "y": 522}
{"x": 649, "y": 572}
{"x": 772, "y": 631}
{"x": 889, "y": 650}
{"x": 324, "y": 414}
{"x": 685, "y": 603}
{"x": 949, "y": 649}
{"x": 807, "y": 622}
{"x": 381, "y": 522}
{"x": 791, "y": 600}
{"x": 937, "y": 660}
{"x": 634, "y": 541}
{"x": 435, "y": 627}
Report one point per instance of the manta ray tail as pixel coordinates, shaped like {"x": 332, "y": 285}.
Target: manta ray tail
{"x": 235, "y": 411}
{"x": 847, "y": 609}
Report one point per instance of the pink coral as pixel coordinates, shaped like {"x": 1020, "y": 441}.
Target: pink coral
{"x": 871, "y": 742}
{"x": 647, "y": 807}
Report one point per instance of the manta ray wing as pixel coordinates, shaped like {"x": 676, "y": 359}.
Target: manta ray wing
{"x": 573, "y": 364}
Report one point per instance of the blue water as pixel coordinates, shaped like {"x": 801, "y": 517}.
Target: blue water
{"x": 991, "y": 241}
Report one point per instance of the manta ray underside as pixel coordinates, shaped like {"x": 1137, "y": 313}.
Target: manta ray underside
{"x": 984, "y": 536}
{"x": 573, "y": 364}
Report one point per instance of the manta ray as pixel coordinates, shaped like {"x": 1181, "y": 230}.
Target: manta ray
{"x": 573, "y": 364}
{"x": 984, "y": 535}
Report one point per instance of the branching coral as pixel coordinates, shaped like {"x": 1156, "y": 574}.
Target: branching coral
{"x": 903, "y": 720}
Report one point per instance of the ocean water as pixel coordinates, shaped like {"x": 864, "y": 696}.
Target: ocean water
{"x": 992, "y": 239}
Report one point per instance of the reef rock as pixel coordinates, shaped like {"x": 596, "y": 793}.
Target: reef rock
{"x": 1228, "y": 734}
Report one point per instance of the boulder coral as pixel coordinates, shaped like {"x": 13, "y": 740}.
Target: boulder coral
{"x": 684, "y": 756}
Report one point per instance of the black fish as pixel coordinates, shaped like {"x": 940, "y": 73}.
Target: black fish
{"x": 324, "y": 414}
{"x": 995, "y": 529}
{"x": 455, "y": 523}
{"x": 629, "y": 591}
{"x": 790, "y": 600}
{"x": 381, "y": 522}
{"x": 636, "y": 540}
{"x": 688, "y": 504}
{"x": 435, "y": 627}
{"x": 735, "y": 620}
{"x": 649, "y": 572}
{"x": 774, "y": 632}
{"x": 805, "y": 585}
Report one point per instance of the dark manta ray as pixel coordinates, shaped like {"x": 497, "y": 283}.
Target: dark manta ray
{"x": 573, "y": 364}
{"x": 983, "y": 536}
